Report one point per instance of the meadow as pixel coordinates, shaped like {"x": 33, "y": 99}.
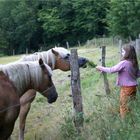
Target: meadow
{"x": 101, "y": 117}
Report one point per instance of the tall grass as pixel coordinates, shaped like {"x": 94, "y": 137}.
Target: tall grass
{"x": 104, "y": 122}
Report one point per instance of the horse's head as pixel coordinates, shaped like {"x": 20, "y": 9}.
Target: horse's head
{"x": 62, "y": 59}
{"x": 47, "y": 88}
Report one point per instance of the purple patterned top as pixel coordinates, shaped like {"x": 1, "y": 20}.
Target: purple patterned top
{"x": 126, "y": 73}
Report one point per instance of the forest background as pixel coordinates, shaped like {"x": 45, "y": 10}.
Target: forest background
{"x": 42, "y": 24}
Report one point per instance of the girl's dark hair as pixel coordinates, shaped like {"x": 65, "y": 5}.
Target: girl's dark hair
{"x": 130, "y": 54}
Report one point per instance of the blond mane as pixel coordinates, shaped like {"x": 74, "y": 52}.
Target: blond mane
{"x": 22, "y": 73}
{"x": 47, "y": 56}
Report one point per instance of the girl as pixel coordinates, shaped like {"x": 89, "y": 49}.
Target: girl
{"x": 128, "y": 72}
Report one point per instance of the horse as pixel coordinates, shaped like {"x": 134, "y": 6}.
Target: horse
{"x": 17, "y": 78}
{"x": 56, "y": 58}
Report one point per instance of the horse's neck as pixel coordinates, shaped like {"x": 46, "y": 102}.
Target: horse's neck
{"x": 22, "y": 76}
{"x": 51, "y": 59}
{"x": 47, "y": 56}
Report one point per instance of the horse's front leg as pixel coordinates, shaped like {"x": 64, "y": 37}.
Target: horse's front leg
{"x": 25, "y": 102}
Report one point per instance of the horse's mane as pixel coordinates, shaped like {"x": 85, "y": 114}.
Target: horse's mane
{"x": 47, "y": 56}
{"x": 21, "y": 73}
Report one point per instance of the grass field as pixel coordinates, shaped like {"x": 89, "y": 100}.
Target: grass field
{"x": 8, "y": 59}
{"x": 54, "y": 121}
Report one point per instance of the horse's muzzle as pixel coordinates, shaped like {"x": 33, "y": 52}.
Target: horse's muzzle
{"x": 82, "y": 62}
{"x": 52, "y": 96}
{"x": 51, "y": 100}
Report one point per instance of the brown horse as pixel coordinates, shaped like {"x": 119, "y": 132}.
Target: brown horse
{"x": 56, "y": 58}
{"x": 15, "y": 79}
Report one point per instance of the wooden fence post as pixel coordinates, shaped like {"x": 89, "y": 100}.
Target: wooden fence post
{"x": 120, "y": 47}
{"x": 138, "y": 48}
{"x": 95, "y": 40}
{"x": 106, "y": 84}
{"x": 26, "y": 50}
{"x": 13, "y": 51}
{"x": 76, "y": 91}
{"x": 67, "y": 44}
{"x": 79, "y": 44}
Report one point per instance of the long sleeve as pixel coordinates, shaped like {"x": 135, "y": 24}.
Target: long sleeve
{"x": 113, "y": 69}
{"x": 126, "y": 73}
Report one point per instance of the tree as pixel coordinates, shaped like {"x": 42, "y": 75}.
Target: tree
{"x": 56, "y": 17}
{"x": 19, "y": 25}
{"x": 7, "y": 26}
{"x": 89, "y": 17}
{"x": 27, "y": 27}
{"x": 123, "y": 18}
{"x": 74, "y": 20}
{"x": 29, "y": 24}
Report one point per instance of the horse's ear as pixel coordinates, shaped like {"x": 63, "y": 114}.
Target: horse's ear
{"x": 55, "y": 52}
{"x": 3, "y": 76}
{"x": 1, "y": 73}
{"x": 41, "y": 63}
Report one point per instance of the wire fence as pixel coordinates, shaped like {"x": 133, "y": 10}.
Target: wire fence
{"x": 95, "y": 42}
{"x": 92, "y": 50}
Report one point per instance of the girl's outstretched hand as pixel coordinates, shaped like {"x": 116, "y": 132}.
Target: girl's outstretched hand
{"x": 98, "y": 68}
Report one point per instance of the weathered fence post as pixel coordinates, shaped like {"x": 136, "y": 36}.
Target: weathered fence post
{"x": 112, "y": 41}
{"x": 87, "y": 44}
{"x": 120, "y": 48}
{"x": 138, "y": 48}
{"x": 95, "y": 40}
{"x": 13, "y": 51}
{"x": 79, "y": 44}
{"x": 106, "y": 84}
{"x": 67, "y": 44}
{"x": 76, "y": 91}
{"x": 26, "y": 50}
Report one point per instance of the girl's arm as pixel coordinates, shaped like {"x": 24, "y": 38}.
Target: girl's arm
{"x": 113, "y": 69}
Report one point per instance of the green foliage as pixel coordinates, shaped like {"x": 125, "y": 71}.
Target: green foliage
{"x": 123, "y": 18}
{"x": 34, "y": 24}
{"x": 73, "y": 20}
{"x": 6, "y": 24}
{"x": 18, "y": 25}
{"x": 68, "y": 130}
{"x": 25, "y": 17}
{"x": 31, "y": 24}
{"x": 90, "y": 15}
{"x": 91, "y": 64}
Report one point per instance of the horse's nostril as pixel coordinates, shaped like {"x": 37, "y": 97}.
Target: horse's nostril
{"x": 52, "y": 98}
{"x": 84, "y": 60}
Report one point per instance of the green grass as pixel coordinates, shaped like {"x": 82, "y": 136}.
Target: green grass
{"x": 101, "y": 118}
{"x": 8, "y": 59}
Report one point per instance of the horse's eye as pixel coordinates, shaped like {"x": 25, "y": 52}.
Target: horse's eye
{"x": 67, "y": 56}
